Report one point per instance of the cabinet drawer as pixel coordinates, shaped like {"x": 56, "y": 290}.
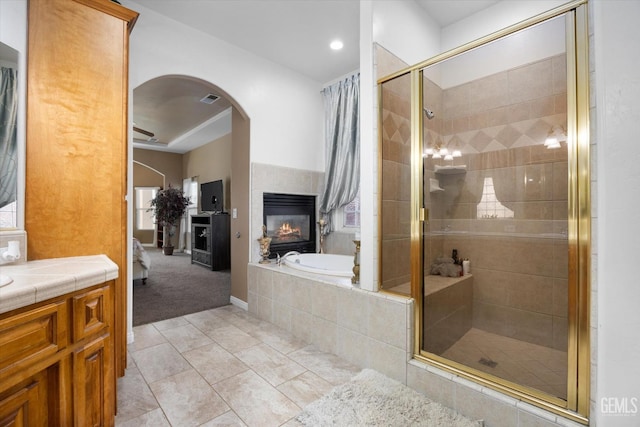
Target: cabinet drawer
{"x": 31, "y": 336}
{"x": 91, "y": 312}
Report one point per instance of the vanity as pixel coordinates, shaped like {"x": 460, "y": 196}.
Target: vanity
{"x": 57, "y": 342}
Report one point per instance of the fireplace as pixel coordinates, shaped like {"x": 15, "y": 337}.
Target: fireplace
{"x": 291, "y": 222}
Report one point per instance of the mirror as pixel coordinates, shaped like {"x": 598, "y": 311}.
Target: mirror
{"x": 9, "y": 101}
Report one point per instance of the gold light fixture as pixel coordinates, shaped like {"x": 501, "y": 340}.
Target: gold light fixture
{"x": 441, "y": 151}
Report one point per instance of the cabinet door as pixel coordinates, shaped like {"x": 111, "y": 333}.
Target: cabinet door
{"x": 29, "y": 337}
{"x": 26, "y": 404}
{"x": 93, "y": 389}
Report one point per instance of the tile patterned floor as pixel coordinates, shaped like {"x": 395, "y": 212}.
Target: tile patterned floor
{"x": 222, "y": 367}
{"x": 533, "y": 365}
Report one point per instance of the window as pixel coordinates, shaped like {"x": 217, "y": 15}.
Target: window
{"x": 350, "y": 214}
{"x": 192, "y": 192}
{"x": 489, "y": 206}
{"x": 145, "y": 220}
{"x": 8, "y": 216}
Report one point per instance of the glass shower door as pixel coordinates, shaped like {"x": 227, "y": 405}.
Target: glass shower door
{"x": 495, "y": 172}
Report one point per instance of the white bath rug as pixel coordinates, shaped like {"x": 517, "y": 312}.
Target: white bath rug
{"x": 372, "y": 399}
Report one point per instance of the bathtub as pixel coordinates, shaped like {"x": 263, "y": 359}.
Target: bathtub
{"x": 329, "y": 264}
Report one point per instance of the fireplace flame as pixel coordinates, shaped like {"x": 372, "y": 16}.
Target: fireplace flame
{"x": 286, "y": 231}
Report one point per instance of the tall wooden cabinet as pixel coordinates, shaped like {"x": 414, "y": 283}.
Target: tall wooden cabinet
{"x": 76, "y": 150}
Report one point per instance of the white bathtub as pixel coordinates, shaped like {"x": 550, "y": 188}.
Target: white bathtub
{"x": 330, "y": 264}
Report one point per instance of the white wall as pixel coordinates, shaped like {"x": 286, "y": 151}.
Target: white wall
{"x": 542, "y": 41}
{"x": 401, "y": 27}
{"x": 496, "y": 17}
{"x": 405, "y": 29}
{"x": 616, "y": 43}
{"x": 13, "y": 33}
{"x": 368, "y": 153}
{"x": 284, "y": 107}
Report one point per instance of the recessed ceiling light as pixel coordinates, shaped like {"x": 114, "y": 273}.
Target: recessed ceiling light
{"x": 336, "y": 45}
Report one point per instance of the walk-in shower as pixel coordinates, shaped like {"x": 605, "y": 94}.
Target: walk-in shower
{"x": 504, "y": 206}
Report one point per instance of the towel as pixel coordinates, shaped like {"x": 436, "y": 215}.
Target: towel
{"x": 445, "y": 267}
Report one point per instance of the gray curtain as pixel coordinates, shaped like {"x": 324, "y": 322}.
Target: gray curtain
{"x": 342, "y": 146}
{"x": 8, "y": 135}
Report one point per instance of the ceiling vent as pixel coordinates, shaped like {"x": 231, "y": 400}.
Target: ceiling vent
{"x": 210, "y": 99}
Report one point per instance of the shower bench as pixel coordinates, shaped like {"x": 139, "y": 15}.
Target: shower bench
{"x": 447, "y": 310}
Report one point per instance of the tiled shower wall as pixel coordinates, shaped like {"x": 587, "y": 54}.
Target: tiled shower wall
{"x": 396, "y": 184}
{"x": 500, "y": 123}
{"x": 520, "y": 264}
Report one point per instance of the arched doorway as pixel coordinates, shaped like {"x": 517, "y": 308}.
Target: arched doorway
{"x": 186, "y": 150}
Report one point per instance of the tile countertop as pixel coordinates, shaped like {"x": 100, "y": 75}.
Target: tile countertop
{"x": 36, "y": 281}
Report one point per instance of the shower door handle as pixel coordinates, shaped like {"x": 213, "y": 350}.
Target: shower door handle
{"x": 424, "y": 215}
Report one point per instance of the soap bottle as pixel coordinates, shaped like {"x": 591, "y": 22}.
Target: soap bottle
{"x": 466, "y": 266}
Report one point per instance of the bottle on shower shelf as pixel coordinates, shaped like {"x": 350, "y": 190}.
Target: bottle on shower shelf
{"x": 466, "y": 266}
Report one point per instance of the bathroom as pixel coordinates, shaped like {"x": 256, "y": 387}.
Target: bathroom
{"x": 615, "y": 324}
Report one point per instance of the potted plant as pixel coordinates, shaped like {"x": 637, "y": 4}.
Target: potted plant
{"x": 168, "y": 207}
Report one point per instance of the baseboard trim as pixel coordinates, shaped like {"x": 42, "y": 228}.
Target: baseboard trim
{"x": 239, "y": 303}
{"x": 130, "y": 337}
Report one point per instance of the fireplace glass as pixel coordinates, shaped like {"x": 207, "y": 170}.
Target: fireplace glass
{"x": 288, "y": 228}
{"x": 290, "y": 221}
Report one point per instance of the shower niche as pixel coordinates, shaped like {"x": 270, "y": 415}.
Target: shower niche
{"x": 478, "y": 175}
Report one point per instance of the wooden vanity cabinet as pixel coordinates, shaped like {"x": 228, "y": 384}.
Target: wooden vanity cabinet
{"x": 57, "y": 361}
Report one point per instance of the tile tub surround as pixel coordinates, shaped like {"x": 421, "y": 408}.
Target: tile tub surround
{"x": 368, "y": 329}
{"x": 36, "y": 281}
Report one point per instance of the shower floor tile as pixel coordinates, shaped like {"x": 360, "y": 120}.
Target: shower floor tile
{"x": 529, "y": 364}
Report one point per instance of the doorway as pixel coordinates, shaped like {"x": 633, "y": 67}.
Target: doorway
{"x": 192, "y": 132}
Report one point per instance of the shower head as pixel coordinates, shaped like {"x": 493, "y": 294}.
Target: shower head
{"x": 430, "y": 114}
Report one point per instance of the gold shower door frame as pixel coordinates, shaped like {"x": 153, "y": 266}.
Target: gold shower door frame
{"x": 576, "y": 406}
